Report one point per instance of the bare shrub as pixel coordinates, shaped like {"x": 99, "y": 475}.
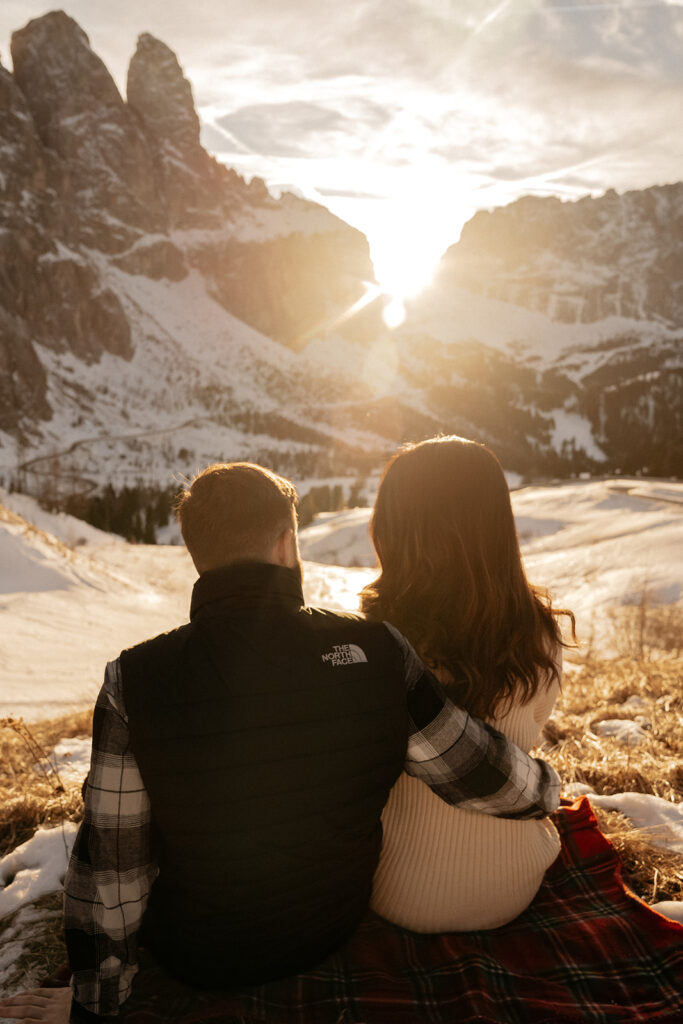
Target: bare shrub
{"x": 646, "y": 626}
{"x": 30, "y": 797}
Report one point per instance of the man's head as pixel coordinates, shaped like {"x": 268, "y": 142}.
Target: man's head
{"x": 237, "y": 511}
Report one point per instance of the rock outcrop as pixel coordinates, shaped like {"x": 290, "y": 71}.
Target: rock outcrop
{"x": 23, "y": 206}
{"x": 93, "y": 183}
{"x": 79, "y": 115}
{"x": 617, "y": 255}
{"x": 159, "y": 92}
{"x": 193, "y": 185}
{"x": 49, "y": 294}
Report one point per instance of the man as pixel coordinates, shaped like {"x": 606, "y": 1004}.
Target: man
{"x": 241, "y": 763}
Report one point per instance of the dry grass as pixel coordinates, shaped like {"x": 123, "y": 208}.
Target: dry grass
{"x": 35, "y": 931}
{"x": 646, "y": 625}
{"x": 29, "y": 796}
{"x": 597, "y": 691}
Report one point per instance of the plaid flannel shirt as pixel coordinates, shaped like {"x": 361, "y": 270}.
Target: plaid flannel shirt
{"x": 112, "y": 867}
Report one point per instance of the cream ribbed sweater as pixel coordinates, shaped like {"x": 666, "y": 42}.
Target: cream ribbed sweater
{"x": 445, "y": 869}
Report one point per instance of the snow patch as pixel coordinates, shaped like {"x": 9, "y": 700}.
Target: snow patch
{"x": 660, "y": 821}
{"x": 331, "y": 586}
{"x": 623, "y": 730}
{"x": 36, "y": 867}
{"x": 669, "y": 908}
{"x": 574, "y": 429}
{"x": 70, "y": 758}
{"x": 25, "y": 568}
{"x": 339, "y": 538}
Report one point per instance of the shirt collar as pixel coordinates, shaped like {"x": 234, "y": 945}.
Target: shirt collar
{"x": 247, "y": 585}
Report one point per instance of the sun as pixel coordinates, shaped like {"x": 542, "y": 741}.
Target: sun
{"x": 408, "y": 230}
{"x": 406, "y": 245}
{"x": 404, "y": 266}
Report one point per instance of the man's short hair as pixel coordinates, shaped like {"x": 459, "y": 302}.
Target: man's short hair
{"x": 234, "y": 511}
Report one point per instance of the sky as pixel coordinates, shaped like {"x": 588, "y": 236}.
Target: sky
{"x": 404, "y": 117}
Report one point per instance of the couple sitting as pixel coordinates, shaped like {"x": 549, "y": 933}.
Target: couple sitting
{"x": 241, "y": 764}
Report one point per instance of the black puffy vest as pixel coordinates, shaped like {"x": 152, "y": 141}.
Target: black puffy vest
{"x": 268, "y": 736}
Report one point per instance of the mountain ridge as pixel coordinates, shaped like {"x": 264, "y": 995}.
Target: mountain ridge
{"x": 157, "y": 312}
{"x": 520, "y": 253}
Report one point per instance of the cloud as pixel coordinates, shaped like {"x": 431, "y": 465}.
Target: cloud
{"x": 418, "y": 97}
{"x": 301, "y": 128}
{"x": 282, "y": 129}
{"x": 640, "y": 37}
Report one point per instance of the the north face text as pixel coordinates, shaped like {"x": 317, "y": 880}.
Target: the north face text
{"x": 345, "y": 654}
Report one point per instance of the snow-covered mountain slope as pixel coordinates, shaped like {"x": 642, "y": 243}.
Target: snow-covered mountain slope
{"x": 72, "y": 597}
{"x": 200, "y": 386}
{"x": 616, "y": 255}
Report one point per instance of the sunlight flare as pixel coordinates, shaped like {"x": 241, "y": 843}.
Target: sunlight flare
{"x": 394, "y": 312}
{"x": 371, "y": 293}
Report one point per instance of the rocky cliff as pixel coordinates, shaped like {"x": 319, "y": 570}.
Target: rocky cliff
{"x": 617, "y": 255}
{"x": 93, "y": 182}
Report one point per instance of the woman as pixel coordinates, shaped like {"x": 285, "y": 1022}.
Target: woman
{"x": 451, "y": 580}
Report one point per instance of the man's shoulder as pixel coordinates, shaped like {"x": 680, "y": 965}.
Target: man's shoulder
{"x": 347, "y": 627}
{"x": 164, "y": 644}
{"x": 146, "y": 668}
{"x": 330, "y": 618}
{"x": 332, "y": 614}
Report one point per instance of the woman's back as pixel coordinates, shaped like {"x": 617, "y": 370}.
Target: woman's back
{"x": 452, "y": 581}
{"x": 445, "y": 869}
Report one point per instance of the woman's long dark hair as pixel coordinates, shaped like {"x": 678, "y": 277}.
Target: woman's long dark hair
{"x": 451, "y": 575}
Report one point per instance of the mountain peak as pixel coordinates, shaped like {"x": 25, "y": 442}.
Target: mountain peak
{"x": 159, "y": 92}
{"x": 60, "y": 76}
{"x": 83, "y": 122}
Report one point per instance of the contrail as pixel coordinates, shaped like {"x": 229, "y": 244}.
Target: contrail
{"x": 231, "y": 138}
{"x": 487, "y": 20}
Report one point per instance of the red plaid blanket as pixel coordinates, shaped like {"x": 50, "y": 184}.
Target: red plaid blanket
{"x": 585, "y": 950}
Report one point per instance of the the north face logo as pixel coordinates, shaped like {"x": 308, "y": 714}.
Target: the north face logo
{"x": 345, "y": 654}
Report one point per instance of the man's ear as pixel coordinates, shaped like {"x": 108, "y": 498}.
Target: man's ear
{"x": 284, "y": 549}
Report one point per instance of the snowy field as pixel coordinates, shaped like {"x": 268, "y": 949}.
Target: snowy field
{"x": 71, "y": 597}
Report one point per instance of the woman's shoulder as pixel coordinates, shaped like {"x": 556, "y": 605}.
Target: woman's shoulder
{"x": 523, "y": 715}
